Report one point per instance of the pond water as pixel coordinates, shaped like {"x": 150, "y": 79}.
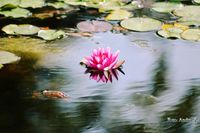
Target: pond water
{"x": 158, "y": 93}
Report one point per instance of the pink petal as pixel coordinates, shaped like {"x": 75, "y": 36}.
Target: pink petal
{"x": 97, "y": 58}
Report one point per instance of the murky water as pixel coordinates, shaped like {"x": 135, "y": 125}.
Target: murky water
{"x": 159, "y": 92}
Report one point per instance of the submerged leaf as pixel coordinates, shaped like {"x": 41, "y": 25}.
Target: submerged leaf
{"x": 191, "y": 34}
{"x": 94, "y": 26}
{"x": 7, "y": 57}
{"x": 141, "y": 24}
{"x": 119, "y": 15}
{"x": 16, "y": 13}
{"x": 32, "y": 3}
{"x": 166, "y": 7}
{"x": 24, "y": 29}
{"x": 26, "y": 47}
{"x": 51, "y": 34}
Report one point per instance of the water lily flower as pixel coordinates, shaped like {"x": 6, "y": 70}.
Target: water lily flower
{"x": 103, "y": 60}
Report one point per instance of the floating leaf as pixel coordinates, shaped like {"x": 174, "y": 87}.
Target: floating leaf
{"x": 188, "y": 11}
{"x": 166, "y": 7}
{"x": 58, "y": 5}
{"x": 141, "y": 24}
{"x": 197, "y": 1}
{"x": 110, "y": 5}
{"x": 9, "y": 29}
{"x": 51, "y": 34}
{"x": 172, "y": 30}
{"x": 32, "y": 3}
{"x": 1, "y": 66}
{"x": 171, "y": 33}
{"x": 54, "y": 94}
{"x": 119, "y": 15}
{"x": 7, "y": 57}
{"x": 191, "y": 34}
{"x": 24, "y": 29}
{"x": 94, "y": 26}
{"x": 9, "y": 2}
{"x": 16, "y": 13}
{"x": 190, "y": 21}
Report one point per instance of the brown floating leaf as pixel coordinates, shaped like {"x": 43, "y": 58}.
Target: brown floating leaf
{"x": 81, "y": 34}
{"x": 54, "y": 94}
{"x": 94, "y": 26}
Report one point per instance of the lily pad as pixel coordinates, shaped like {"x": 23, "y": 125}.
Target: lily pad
{"x": 165, "y": 7}
{"x": 16, "y": 13}
{"x": 24, "y": 29}
{"x": 197, "y": 1}
{"x": 32, "y": 3}
{"x": 94, "y": 26}
{"x": 109, "y": 6}
{"x": 9, "y": 2}
{"x": 172, "y": 30}
{"x": 51, "y": 34}
{"x": 7, "y": 57}
{"x": 119, "y": 15}
{"x": 58, "y": 5}
{"x": 1, "y": 66}
{"x": 141, "y": 24}
{"x": 191, "y": 34}
{"x": 190, "y": 21}
{"x": 188, "y": 11}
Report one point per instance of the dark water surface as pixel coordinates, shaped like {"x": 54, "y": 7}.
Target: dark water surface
{"x": 158, "y": 94}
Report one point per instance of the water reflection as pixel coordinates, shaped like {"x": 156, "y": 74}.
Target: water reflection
{"x": 103, "y": 76}
{"x": 159, "y": 82}
{"x": 183, "y": 113}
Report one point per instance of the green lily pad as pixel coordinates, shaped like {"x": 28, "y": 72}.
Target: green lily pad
{"x": 24, "y": 29}
{"x": 16, "y": 13}
{"x": 51, "y": 34}
{"x": 119, "y": 15}
{"x": 170, "y": 33}
{"x": 1, "y": 66}
{"x": 7, "y": 57}
{"x": 141, "y": 24}
{"x": 190, "y": 21}
{"x": 197, "y": 1}
{"x": 9, "y": 2}
{"x": 166, "y": 7}
{"x": 188, "y": 11}
{"x": 110, "y": 5}
{"x": 94, "y": 26}
{"x": 58, "y": 5}
{"x": 32, "y": 3}
{"x": 191, "y": 34}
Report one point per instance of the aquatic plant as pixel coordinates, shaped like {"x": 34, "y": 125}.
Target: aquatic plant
{"x": 103, "y": 64}
{"x": 102, "y": 59}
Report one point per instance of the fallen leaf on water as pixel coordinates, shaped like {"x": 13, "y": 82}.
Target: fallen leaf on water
{"x": 54, "y": 94}
{"x": 81, "y": 34}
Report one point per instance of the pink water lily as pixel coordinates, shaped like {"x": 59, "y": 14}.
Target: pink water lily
{"x": 102, "y": 60}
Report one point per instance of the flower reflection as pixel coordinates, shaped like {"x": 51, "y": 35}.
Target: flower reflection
{"x": 103, "y": 65}
{"x": 104, "y": 76}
